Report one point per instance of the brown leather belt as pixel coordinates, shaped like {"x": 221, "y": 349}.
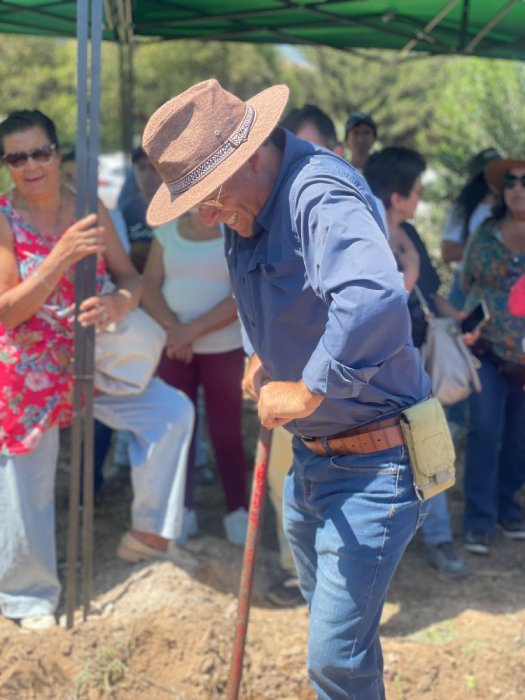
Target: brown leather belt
{"x": 362, "y": 440}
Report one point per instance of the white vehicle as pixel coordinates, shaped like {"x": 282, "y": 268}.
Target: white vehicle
{"x": 111, "y": 173}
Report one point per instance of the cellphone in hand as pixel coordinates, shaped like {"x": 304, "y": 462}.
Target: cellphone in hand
{"x": 476, "y": 318}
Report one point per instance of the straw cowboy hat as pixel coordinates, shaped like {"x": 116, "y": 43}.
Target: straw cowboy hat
{"x": 200, "y": 138}
{"x": 496, "y": 169}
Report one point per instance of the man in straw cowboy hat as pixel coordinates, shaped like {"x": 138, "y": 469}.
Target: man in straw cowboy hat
{"x": 324, "y": 308}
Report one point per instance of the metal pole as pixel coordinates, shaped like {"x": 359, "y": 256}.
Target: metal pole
{"x": 424, "y": 34}
{"x": 250, "y": 551}
{"x": 126, "y": 95}
{"x": 486, "y": 29}
{"x": 82, "y": 431}
{"x": 90, "y": 290}
{"x": 125, "y": 39}
{"x": 76, "y": 434}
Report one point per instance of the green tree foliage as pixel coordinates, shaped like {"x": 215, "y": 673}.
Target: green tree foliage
{"x": 165, "y": 69}
{"x": 37, "y": 73}
{"x": 448, "y": 107}
{"x": 478, "y": 104}
{"x": 40, "y": 73}
{"x": 394, "y": 91}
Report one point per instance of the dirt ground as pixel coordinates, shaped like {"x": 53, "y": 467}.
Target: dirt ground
{"x": 165, "y": 631}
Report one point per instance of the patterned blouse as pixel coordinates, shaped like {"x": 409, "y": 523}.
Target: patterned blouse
{"x": 36, "y": 357}
{"x": 490, "y": 270}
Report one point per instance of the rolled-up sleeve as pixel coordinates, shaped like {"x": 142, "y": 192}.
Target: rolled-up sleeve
{"x": 351, "y": 268}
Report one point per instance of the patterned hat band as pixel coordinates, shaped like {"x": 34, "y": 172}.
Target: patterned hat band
{"x": 201, "y": 138}
{"x": 234, "y": 140}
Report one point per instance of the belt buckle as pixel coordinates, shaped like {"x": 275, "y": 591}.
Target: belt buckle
{"x": 323, "y": 441}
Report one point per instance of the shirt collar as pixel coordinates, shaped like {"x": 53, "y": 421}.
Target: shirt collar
{"x": 294, "y": 150}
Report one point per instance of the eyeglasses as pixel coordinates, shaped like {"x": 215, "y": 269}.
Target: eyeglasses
{"x": 510, "y": 181}
{"x": 41, "y": 155}
{"x": 212, "y": 203}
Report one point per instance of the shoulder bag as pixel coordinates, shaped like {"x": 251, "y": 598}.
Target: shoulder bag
{"x": 451, "y": 366}
{"x": 127, "y": 354}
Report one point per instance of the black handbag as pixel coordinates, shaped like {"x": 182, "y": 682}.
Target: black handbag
{"x": 513, "y": 371}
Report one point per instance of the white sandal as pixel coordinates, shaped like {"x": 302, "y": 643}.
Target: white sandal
{"x": 38, "y": 622}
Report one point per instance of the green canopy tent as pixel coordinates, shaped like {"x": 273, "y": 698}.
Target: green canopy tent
{"x": 491, "y": 28}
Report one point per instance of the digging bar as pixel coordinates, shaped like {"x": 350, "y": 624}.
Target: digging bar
{"x": 250, "y": 550}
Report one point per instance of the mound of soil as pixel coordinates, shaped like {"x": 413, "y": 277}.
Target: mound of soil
{"x": 165, "y": 630}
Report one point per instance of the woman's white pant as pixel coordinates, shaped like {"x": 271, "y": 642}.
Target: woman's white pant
{"x": 160, "y": 421}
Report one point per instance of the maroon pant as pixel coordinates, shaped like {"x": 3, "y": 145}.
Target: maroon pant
{"x": 220, "y": 375}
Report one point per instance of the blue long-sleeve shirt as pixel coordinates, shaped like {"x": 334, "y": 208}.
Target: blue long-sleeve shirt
{"x": 320, "y": 296}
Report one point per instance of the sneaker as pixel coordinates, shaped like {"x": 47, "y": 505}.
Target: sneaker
{"x": 235, "y": 525}
{"x": 36, "y": 623}
{"x": 477, "y": 542}
{"x": 445, "y": 559}
{"x": 190, "y": 526}
{"x": 286, "y": 593}
{"x": 513, "y": 528}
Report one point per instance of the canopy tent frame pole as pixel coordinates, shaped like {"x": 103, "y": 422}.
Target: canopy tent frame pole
{"x": 464, "y": 24}
{"x": 124, "y": 31}
{"x": 89, "y": 35}
{"x": 424, "y": 34}
{"x": 126, "y": 95}
{"x": 490, "y": 25}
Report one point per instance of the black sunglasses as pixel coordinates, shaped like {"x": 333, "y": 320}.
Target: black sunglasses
{"x": 510, "y": 181}
{"x": 42, "y": 155}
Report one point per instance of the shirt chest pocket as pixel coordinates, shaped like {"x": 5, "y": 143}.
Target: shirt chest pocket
{"x": 288, "y": 276}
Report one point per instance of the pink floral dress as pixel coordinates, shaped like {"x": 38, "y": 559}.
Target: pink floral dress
{"x": 36, "y": 357}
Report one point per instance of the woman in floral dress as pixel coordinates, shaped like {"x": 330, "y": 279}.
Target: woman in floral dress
{"x": 40, "y": 242}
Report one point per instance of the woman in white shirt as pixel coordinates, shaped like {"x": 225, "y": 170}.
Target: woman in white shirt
{"x": 187, "y": 290}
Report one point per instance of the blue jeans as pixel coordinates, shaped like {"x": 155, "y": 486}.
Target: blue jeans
{"x": 495, "y": 454}
{"x": 348, "y": 520}
{"x": 435, "y": 528}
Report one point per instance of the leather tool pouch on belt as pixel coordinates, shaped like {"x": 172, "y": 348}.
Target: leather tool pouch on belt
{"x": 430, "y": 447}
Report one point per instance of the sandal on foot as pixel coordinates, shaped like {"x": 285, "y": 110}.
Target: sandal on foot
{"x": 38, "y": 622}
{"x": 132, "y": 550}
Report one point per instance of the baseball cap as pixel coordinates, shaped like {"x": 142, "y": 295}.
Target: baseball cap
{"x": 359, "y": 118}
